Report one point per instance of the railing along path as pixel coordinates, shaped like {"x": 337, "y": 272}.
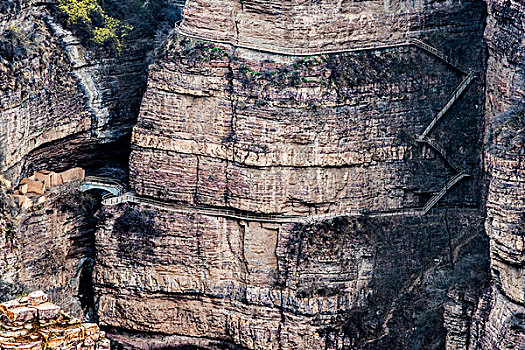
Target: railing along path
{"x": 96, "y": 182}
{"x": 433, "y": 201}
{"x": 267, "y": 218}
{"x": 290, "y": 51}
{"x": 423, "y": 138}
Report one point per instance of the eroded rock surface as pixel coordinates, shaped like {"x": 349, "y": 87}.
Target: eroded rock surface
{"x": 349, "y": 282}
{"x": 499, "y": 319}
{"x": 259, "y": 132}
{"x": 34, "y": 323}
{"x": 327, "y": 24}
{"x": 232, "y": 127}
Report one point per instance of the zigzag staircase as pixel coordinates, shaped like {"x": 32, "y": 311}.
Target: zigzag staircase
{"x": 423, "y": 138}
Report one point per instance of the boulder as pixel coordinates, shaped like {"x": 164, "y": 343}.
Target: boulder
{"x": 44, "y": 176}
{"x": 21, "y": 314}
{"x": 47, "y": 311}
{"x": 55, "y": 180}
{"x": 37, "y": 298}
{"x": 33, "y": 186}
{"x": 73, "y": 174}
{"x": 4, "y": 182}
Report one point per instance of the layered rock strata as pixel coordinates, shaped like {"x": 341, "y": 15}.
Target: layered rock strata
{"x": 55, "y": 94}
{"x": 224, "y": 125}
{"x": 51, "y": 247}
{"x": 266, "y": 133}
{"x": 498, "y": 321}
{"x": 505, "y": 34}
{"x": 34, "y": 323}
{"x": 331, "y": 285}
{"x": 306, "y": 25}
{"x": 40, "y": 100}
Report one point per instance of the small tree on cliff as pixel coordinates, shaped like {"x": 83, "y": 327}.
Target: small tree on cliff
{"x": 90, "y": 19}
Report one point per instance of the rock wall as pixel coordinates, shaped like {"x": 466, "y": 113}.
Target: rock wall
{"x": 233, "y": 127}
{"x": 40, "y": 100}
{"x": 51, "y": 247}
{"x": 366, "y": 283}
{"x": 230, "y": 127}
{"x": 327, "y": 24}
{"x": 57, "y": 95}
{"x": 499, "y": 322}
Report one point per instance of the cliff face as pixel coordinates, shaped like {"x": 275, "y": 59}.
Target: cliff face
{"x": 227, "y": 126}
{"x": 57, "y": 95}
{"x": 250, "y": 113}
{"x": 504, "y": 325}
{"x": 61, "y": 105}
{"x": 51, "y": 247}
{"x": 326, "y": 24}
{"x": 288, "y": 134}
{"x": 40, "y": 101}
{"x": 348, "y": 282}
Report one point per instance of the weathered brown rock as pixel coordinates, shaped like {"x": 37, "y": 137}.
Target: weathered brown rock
{"x": 50, "y": 247}
{"x": 498, "y": 321}
{"x": 32, "y": 323}
{"x": 266, "y": 286}
{"x": 60, "y": 105}
{"x": 298, "y": 135}
{"x": 32, "y": 186}
{"x": 327, "y": 24}
{"x": 225, "y": 126}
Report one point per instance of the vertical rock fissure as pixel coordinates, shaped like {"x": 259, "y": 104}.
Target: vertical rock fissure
{"x": 196, "y": 199}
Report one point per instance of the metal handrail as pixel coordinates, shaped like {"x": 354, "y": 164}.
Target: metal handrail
{"x": 271, "y": 218}
{"x": 450, "y": 183}
{"x": 281, "y": 50}
{"x": 455, "y": 95}
{"x": 94, "y": 180}
{"x": 431, "y": 143}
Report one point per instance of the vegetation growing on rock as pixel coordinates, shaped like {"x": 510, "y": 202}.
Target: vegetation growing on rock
{"x": 101, "y": 28}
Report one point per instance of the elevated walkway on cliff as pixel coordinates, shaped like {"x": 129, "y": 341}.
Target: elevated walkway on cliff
{"x": 117, "y": 190}
{"x": 112, "y": 186}
{"x": 111, "y": 200}
{"x": 423, "y": 138}
{"x": 290, "y": 51}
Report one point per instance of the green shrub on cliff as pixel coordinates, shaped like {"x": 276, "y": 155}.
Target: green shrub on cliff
{"x": 90, "y": 19}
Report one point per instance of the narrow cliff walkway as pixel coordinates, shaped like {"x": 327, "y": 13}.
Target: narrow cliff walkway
{"x": 433, "y": 201}
{"x": 423, "y": 138}
{"x": 117, "y": 190}
{"x": 112, "y": 187}
{"x": 288, "y": 51}
{"x": 455, "y": 96}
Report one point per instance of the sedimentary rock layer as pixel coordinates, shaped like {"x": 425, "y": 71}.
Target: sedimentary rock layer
{"x": 499, "y": 322}
{"x": 265, "y": 286}
{"x": 56, "y": 95}
{"x": 39, "y": 98}
{"x": 224, "y": 126}
{"x": 51, "y": 247}
{"x": 327, "y": 24}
